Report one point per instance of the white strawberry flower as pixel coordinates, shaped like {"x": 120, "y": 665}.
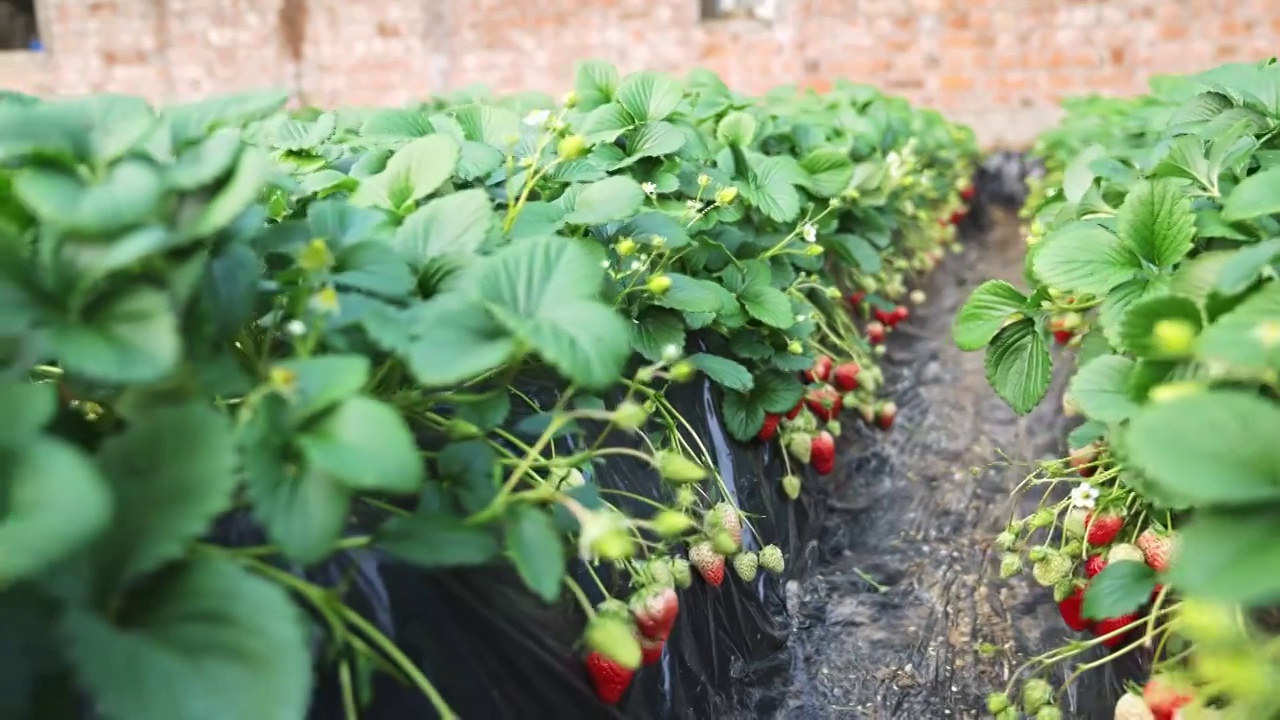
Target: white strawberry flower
{"x": 649, "y": 188}
{"x": 296, "y": 328}
{"x": 1084, "y": 496}
{"x": 604, "y": 264}
{"x": 670, "y": 353}
{"x": 810, "y": 232}
{"x": 536, "y": 118}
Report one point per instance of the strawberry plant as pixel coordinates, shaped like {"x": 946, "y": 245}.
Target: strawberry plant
{"x": 1152, "y": 254}
{"x": 421, "y": 332}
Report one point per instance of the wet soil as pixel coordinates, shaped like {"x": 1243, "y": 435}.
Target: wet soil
{"x": 904, "y": 616}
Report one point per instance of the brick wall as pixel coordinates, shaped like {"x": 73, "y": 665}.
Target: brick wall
{"x": 1000, "y": 65}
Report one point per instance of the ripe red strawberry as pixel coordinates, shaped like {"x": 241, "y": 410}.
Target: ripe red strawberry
{"x": 770, "y": 429}
{"x": 610, "y": 679}
{"x": 655, "y": 612}
{"x": 825, "y": 403}
{"x": 959, "y": 215}
{"x": 1110, "y": 625}
{"x": 875, "y": 333}
{"x": 886, "y": 412}
{"x": 1156, "y": 549}
{"x": 1102, "y": 529}
{"x": 884, "y": 316}
{"x": 822, "y": 456}
{"x": 855, "y": 300}
{"x": 968, "y": 192}
{"x": 900, "y": 313}
{"x": 1071, "y": 611}
{"x": 708, "y": 563}
{"x": 820, "y": 370}
{"x": 793, "y": 412}
{"x": 1164, "y": 699}
{"x": 1062, "y": 337}
{"x": 1094, "y": 565}
{"x": 651, "y": 650}
{"x": 845, "y": 376}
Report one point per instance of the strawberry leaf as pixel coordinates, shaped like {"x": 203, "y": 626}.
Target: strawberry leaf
{"x": 1121, "y": 588}
{"x": 743, "y": 415}
{"x": 1101, "y": 389}
{"x": 437, "y": 540}
{"x": 536, "y": 549}
{"x": 984, "y": 313}
{"x": 1018, "y": 366}
{"x": 1257, "y": 196}
{"x": 1084, "y": 258}
{"x": 1156, "y": 221}
{"x": 1229, "y": 557}
{"x": 723, "y": 371}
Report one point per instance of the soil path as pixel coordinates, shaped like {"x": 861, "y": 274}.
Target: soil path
{"x": 913, "y": 515}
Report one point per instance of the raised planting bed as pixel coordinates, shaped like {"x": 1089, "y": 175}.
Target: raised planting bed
{"x": 486, "y": 407}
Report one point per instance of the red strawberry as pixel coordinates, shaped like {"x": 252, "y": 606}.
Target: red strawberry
{"x": 886, "y": 412}
{"x": 875, "y": 333}
{"x": 708, "y": 563}
{"x": 610, "y": 679}
{"x": 1163, "y": 699}
{"x": 1083, "y": 459}
{"x": 900, "y": 313}
{"x": 822, "y": 455}
{"x": 958, "y": 215}
{"x": 845, "y": 376}
{"x": 655, "y": 612}
{"x": 793, "y": 412}
{"x": 1155, "y": 591}
{"x": 1156, "y": 548}
{"x": 651, "y": 650}
{"x": 1102, "y": 529}
{"x": 770, "y": 429}
{"x": 825, "y": 403}
{"x": 855, "y": 300}
{"x": 1094, "y": 565}
{"x": 820, "y": 370}
{"x": 1062, "y": 337}
{"x": 968, "y": 192}
{"x": 884, "y": 316}
{"x": 1110, "y": 625}
{"x": 1070, "y": 609}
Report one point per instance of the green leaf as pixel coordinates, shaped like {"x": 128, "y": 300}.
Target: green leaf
{"x": 545, "y": 291}
{"x": 194, "y": 120}
{"x": 454, "y": 224}
{"x": 1247, "y": 337}
{"x": 1123, "y": 297}
{"x": 413, "y": 172}
{"x": 1257, "y": 196}
{"x": 537, "y": 550}
{"x": 297, "y": 135}
{"x": 396, "y": 124}
{"x": 1214, "y": 448}
{"x": 614, "y": 198}
{"x": 27, "y": 408}
{"x": 1229, "y": 557}
{"x": 323, "y": 381}
{"x": 723, "y": 371}
{"x": 605, "y": 123}
{"x": 1137, "y": 329}
{"x": 366, "y": 444}
{"x": 130, "y": 338}
{"x": 655, "y": 330}
{"x": 1084, "y": 258}
{"x": 128, "y": 194}
{"x": 854, "y": 249}
{"x": 303, "y": 509}
{"x": 1196, "y": 277}
{"x": 1156, "y": 221}
{"x": 691, "y": 295}
{"x": 648, "y": 96}
{"x": 830, "y": 171}
{"x": 1078, "y": 176}
{"x": 435, "y": 541}
{"x": 743, "y": 415}
{"x": 1018, "y": 366}
{"x": 1121, "y": 588}
{"x": 1100, "y": 388}
{"x": 736, "y": 128}
{"x": 374, "y": 268}
{"x": 251, "y": 172}
{"x": 768, "y": 305}
{"x": 55, "y": 502}
{"x": 468, "y": 468}
{"x": 172, "y": 471}
{"x": 445, "y": 340}
{"x": 234, "y": 643}
{"x": 646, "y": 227}
{"x": 1243, "y": 266}
{"x": 653, "y": 139}
{"x": 777, "y": 391}
{"x": 537, "y": 219}
{"x": 1085, "y": 433}
{"x": 595, "y": 83}
{"x": 984, "y": 313}
{"x": 769, "y": 187}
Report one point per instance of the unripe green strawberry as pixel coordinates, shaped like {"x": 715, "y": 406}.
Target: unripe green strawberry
{"x": 1049, "y": 712}
{"x": 1006, "y": 540}
{"x": 1036, "y": 693}
{"x": 724, "y": 516}
{"x": 791, "y": 486}
{"x": 722, "y": 541}
{"x": 997, "y": 703}
{"x": 1073, "y": 522}
{"x": 676, "y": 468}
{"x": 659, "y": 570}
{"x": 1124, "y": 552}
{"x": 681, "y": 573}
{"x": 683, "y": 371}
{"x": 626, "y": 247}
{"x": 658, "y": 284}
{"x": 726, "y": 195}
{"x": 629, "y": 415}
{"x": 614, "y": 607}
{"x": 686, "y": 497}
{"x": 1064, "y": 590}
{"x": 1010, "y": 565}
{"x": 615, "y": 639}
{"x": 771, "y": 560}
{"x": 571, "y": 147}
{"x": 1038, "y": 553}
{"x": 1043, "y": 518}
{"x": 746, "y": 565}
{"x": 671, "y": 523}
{"x": 1173, "y": 337}
{"x": 1053, "y": 569}
{"x": 800, "y": 446}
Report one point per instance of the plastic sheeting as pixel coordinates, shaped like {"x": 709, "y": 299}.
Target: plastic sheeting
{"x": 493, "y": 650}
